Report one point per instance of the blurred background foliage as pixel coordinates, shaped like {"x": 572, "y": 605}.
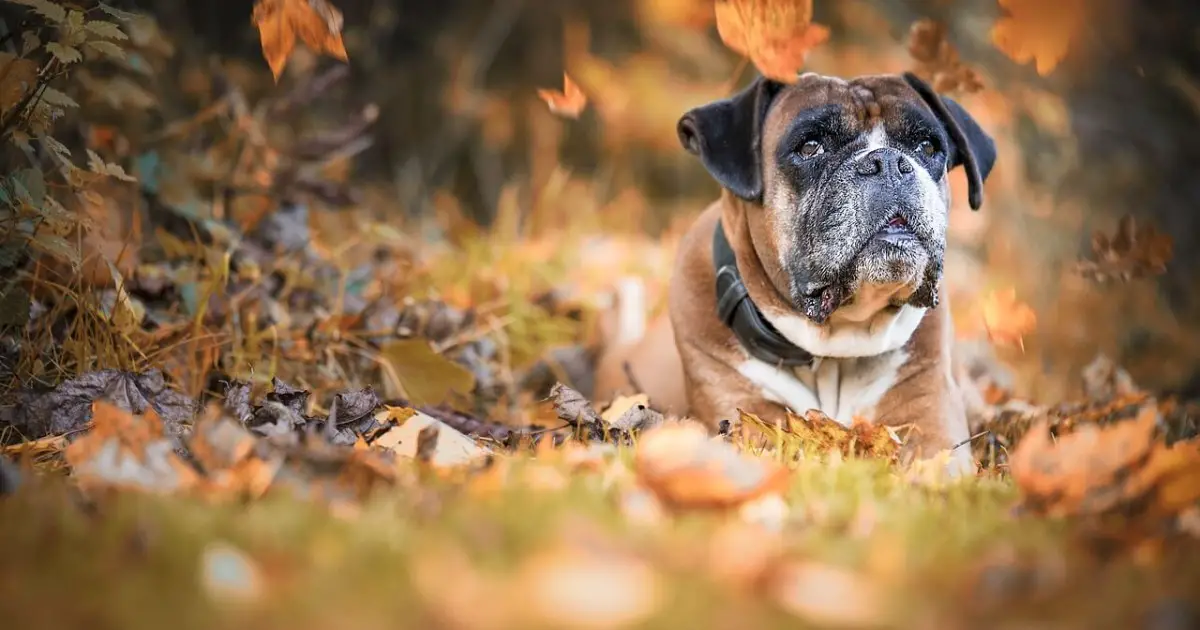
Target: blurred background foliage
{"x": 459, "y": 136}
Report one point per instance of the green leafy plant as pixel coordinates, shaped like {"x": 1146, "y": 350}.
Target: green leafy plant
{"x": 39, "y": 53}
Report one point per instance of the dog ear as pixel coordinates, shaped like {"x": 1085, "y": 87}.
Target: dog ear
{"x": 727, "y": 136}
{"x": 973, "y": 149}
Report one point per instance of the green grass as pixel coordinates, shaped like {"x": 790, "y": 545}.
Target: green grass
{"x": 134, "y": 561}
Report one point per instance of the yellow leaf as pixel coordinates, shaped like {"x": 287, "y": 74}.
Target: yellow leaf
{"x": 775, "y": 34}
{"x": 65, "y": 54}
{"x": 426, "y": 376}
{"x": 316, "y": 22}
{"x": 1038, "y": 31}
{"x": 623, "y": 404}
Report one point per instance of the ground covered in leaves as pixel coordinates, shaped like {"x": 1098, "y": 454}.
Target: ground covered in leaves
{"x": 239, "y": 392}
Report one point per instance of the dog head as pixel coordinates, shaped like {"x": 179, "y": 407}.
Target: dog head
{"x": 847, "y": 183}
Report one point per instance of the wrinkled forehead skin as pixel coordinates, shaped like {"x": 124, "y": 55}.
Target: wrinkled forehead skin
{"x": 864, "y": 102}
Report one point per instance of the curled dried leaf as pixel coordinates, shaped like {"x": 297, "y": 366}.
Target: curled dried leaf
{"x": 316, "y": 22}
{"x": 1133, "y": 251}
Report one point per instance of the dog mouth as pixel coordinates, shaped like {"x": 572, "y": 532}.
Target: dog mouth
{"x": 896, "y": 232}
{"x": 894, "y": 241}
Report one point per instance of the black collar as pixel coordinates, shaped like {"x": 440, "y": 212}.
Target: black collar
{"x": 738, "y": 312}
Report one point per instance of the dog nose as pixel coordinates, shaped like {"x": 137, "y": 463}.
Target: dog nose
{"x": 887, "y": 162}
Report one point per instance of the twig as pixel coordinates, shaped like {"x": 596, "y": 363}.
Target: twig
{"x": 310, "y": 90}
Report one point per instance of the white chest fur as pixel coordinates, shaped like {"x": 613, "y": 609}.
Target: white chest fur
{"x": 841, "y": 388}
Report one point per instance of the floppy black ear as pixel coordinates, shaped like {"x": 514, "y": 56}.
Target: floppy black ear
{"x": 973, "y": 148}
{"x": 982, "y": 145}
{"x": 727, "y": 136}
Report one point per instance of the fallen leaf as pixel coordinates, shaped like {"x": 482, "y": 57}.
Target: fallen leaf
{"x": 687, "y": 468}
{"x": 568, "y": 103}
{"x": 1006, "y": 319}
{"x": 827, "y": 595}
{"x": 622, "y": 404}
{"x": 775, "y": 34}
{"x": 426, "y": 377}
{"x": 577, "y": 411}
{"x": 451, "y": 448}
{"x": 316, "y": 22}
{"x": 128, "y": 451}
{"x": 1100, "y": 470}
{"x": 68, "y": 407}
{"x": 573, "y": 587}
{"x": 1037, "y": 31}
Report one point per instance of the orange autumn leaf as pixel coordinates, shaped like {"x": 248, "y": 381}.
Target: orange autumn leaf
{"x": 686, "y": 468}
{"x": 1122, "y": 468}
{"x": 316, "y": 22}
{"x": 129, "y": 451}
{"x": 1007, "y": 319}
{"x": 775, "y": 34}
{"x": 568, "y": 103}
{"x": 1038, "y": 31}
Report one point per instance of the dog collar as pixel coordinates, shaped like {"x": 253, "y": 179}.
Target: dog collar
{"x": 738, "y": 312}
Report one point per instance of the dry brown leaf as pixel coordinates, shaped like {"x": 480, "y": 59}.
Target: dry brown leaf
{"x": 568, "y": 103}
{"x": 1124, "y": 467}
{"x": 17, "y": 77}
{"x": 1133, "y": 251}
{"x": 775, "y": 34}
{"x": 316, "y": 22}
{"x": 451, "y": 448}
{"x": 1007, "y": 319}
{"x": 1038, "y": 31}
{"x": 686, "y": 468}
{"x": 127, "y": 451}
{"x": 623, "y": 404}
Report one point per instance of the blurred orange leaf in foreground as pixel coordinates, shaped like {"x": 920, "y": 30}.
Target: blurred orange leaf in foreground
{"x": 1122, "y": 468}
{"x": 1007, "y": 319}
{"x": 316, "y": 22}
{"x": 568, "y": 103}
{"x": 686, "y": 468}
{"x": 1038, "y": 31}
{"x": 775, "y": 34}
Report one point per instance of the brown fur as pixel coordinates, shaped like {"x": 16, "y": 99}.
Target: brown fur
{"x": 697, "y": 374}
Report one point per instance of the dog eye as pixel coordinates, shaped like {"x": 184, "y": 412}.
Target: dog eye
{"x": 927, "y": 147}
{"x": 811, "y": 148}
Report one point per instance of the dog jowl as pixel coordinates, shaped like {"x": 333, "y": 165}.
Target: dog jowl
{"x": 851, "y": 178}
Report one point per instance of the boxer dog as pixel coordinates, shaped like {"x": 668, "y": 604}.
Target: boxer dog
{"x": 814, "y": 282}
